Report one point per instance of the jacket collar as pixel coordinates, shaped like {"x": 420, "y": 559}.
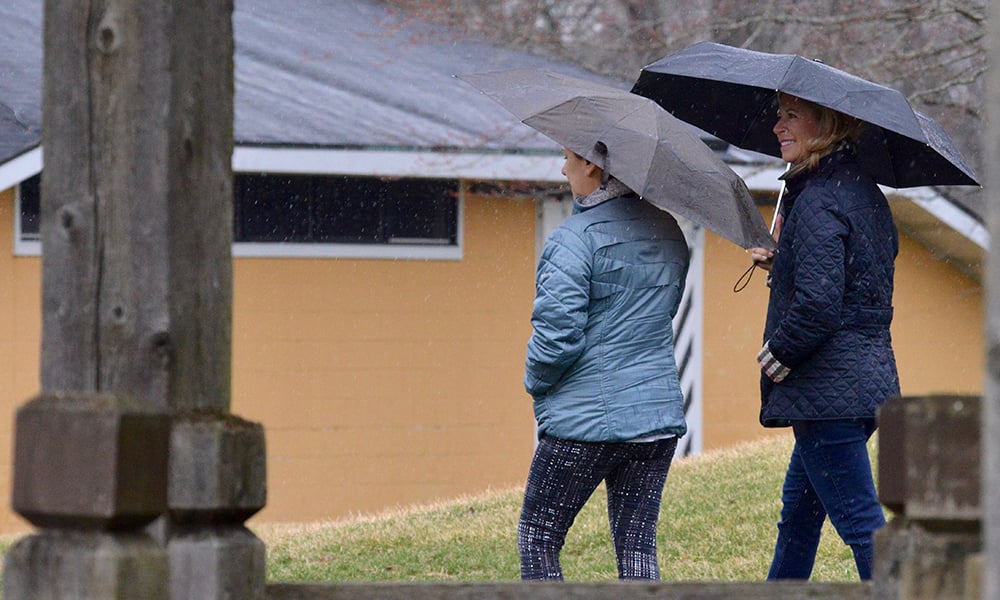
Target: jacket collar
{"x": 796, "y": 179}
{"x": 612, "y": 189}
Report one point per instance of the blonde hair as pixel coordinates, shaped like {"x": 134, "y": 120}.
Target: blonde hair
{"x": 834, "y": 128}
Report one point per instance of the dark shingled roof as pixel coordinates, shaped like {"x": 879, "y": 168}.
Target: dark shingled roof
{"x": 337, "y": 74}
{"x": 317, "y": 73}
{"x": 20, "y": 77}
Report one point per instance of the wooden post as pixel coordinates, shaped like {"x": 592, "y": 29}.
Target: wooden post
{"x": 136, "y": 332}
{"x": 990, "y": 462}
{"x": 136, "y": 200}
{"x": 929, "y": 549}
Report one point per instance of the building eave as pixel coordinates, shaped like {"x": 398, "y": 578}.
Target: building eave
{"x": 947, "y": 230}
{"x": 458, "y": 164}
{"x": 21, "y": 167}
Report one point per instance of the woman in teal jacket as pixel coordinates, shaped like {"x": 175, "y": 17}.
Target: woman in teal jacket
{"x": 602, "y": 372}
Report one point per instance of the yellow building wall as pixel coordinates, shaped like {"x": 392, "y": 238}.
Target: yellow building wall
{"x": 937, "y": 334}
{"x": 385, "y": 383}
{"x": 20, "y": 344}
{"x": 380, "y": 383}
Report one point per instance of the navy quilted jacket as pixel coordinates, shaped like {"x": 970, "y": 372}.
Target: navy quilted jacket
{"x": 600, "y": 363}
{"x": 831, "y": 298}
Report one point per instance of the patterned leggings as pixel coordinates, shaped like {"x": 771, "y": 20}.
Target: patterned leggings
{"x": 563, "y": 476}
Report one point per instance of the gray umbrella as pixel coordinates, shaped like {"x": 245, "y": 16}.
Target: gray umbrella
{"x": 656, "y": 155}
{"x": 731, "y": 93}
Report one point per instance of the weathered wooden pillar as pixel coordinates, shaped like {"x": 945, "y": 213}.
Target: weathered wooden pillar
{"x": 136, "y": 332}
{"x": 991, "y": 401}
{"x": 928, "y": 476}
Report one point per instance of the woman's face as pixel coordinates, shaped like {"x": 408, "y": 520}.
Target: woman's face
{"x": 584, "y": 176}
{"x": 797, "y": 123}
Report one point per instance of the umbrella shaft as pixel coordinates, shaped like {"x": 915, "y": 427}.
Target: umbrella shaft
{"x": 777, "y": 208}
{"x": 777, "y": 205}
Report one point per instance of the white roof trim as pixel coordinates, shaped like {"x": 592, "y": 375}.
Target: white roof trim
{"x": 948, "y": 213}
{"x": 765, "y": 179}
{"x": 392, "y": 163}
{"x": 401, "y": 163}
{"x": 22, "y": 167}
{"x": 760, "y": 178}
{"x": 485, "y": 166}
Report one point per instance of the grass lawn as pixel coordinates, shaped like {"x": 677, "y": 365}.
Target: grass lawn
{"x": 717, "y": 523}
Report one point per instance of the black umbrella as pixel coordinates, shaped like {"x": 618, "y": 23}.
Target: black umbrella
{"x": 731, "y": 93}
{"x": 656, "y": 155}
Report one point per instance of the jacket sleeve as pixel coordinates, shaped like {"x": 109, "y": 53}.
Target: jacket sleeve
{"x": 814, "y": 312}
{"x": 559, "y": 315}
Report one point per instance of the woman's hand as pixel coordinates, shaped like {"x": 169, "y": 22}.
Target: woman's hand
{"x": 763, "y": 257}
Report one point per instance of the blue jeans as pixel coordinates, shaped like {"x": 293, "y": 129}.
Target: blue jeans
{"x": 829, "y": 474}
{"x": 563, "y": 476}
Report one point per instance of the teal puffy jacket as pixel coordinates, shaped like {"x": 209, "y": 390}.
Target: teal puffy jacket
{"x": 601, "y": 364}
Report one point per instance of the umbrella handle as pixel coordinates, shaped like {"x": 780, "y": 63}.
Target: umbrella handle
{"x": 744, "y": 279}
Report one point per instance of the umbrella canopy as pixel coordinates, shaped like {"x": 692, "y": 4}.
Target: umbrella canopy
{"x": 653, "y": 153}
{"x": 731, "y": 93}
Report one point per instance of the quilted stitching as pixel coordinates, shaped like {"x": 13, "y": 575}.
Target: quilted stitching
{"x": 831, "y": 298}
{"x": 600, "y": 363}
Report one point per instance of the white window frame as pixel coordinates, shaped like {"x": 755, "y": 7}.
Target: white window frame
{"x": 31, "y": 246}
{"x": 387, "y": 251}
{"x": 406, "y": 250}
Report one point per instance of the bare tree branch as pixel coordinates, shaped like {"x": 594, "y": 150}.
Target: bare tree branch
{"x": 932, "y": 50}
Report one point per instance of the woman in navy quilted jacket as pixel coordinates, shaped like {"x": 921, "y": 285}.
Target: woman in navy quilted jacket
{"x": 827, "y": 361}
{"x": 601, "y": 370}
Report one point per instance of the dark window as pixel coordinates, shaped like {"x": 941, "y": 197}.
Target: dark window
{"x": 345, "y": 210}
{"x": 30, "y": 196}
{"x": 323, "y": 209}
